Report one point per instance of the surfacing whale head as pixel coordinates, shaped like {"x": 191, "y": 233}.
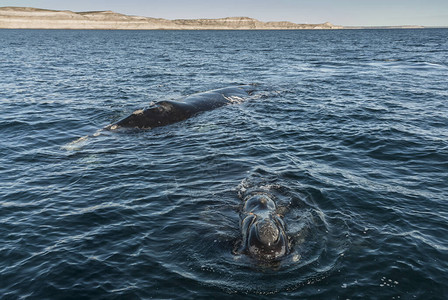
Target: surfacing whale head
{"x": 264, "y": 234}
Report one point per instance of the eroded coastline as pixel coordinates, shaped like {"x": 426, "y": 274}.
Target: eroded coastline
{"x": 35, "y": 18}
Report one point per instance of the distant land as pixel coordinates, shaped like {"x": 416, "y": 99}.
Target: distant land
{"x": 35, "y": 18}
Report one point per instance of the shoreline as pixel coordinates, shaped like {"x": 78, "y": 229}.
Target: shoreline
{"x": 36, "y": 18}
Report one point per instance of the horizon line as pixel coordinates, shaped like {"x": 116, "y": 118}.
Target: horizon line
{"x": 402, "y": 26}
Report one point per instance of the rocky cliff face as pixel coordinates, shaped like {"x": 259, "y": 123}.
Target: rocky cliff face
{"x": 34, "y": 18}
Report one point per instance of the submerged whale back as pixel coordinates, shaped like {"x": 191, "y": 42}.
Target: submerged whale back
{"x": 160, "y": 114}
{"x": 167, "y": 112}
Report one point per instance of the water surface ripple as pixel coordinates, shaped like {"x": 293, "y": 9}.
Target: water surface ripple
{"x": 348, "y": 131}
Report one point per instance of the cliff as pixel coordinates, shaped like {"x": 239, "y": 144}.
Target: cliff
{"x": 34, "y": 18}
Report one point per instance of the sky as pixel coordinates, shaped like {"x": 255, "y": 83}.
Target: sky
{"x": 339, "y": 12}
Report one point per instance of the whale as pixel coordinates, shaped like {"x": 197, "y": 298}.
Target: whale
{"x": 263, "y": 229}
{"x": 167, "y": 112}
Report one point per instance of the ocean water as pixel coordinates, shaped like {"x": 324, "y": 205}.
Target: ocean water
{"x": 348, "y": 130}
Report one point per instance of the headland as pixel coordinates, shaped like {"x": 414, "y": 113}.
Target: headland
{"x": 35, "y": 18}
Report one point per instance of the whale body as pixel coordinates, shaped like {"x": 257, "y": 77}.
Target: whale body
{"x": 167, "y": 112}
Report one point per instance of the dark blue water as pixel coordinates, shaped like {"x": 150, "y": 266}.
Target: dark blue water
{"x": 348, "y": 130}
